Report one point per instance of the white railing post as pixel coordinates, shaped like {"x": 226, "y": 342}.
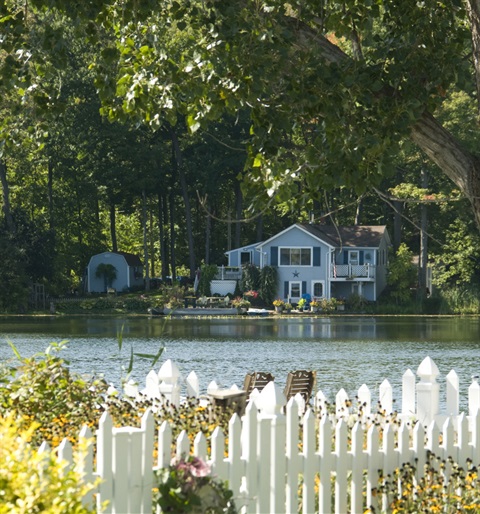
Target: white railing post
{"x": 169, "y": 382}
{"x": 408, "y": 394}
{"x": 474, "y": 396}
{"x": 453, "y": 394}
{"x": 428, "y": 391}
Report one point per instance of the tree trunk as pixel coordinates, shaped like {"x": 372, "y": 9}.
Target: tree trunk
{"x": 146, "y": 257}
{"x": 439, "y": 145}
{"x": 422, "y": 269}
{"x": 113, "y": 228}
{"x": 186, "y": 200}
{"x": 208, "y": 237}
{"x": 162, "y": 220}
{"x": 238, "y": 214}
{"x": 456, "y": 162}
{"x": 172, "y": 237}
{"x": 6, "y": 197}
{"x": 51, "y": 219}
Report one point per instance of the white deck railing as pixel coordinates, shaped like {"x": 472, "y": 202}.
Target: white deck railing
{"x": 352, "y": 271}
{"x": 336, "y": 459}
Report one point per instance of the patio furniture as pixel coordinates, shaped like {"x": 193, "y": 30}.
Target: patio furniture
{"x": 256, "y": 380}
{"x": 300, "y": 381}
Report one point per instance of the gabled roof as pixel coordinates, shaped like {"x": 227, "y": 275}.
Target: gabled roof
{"x": 359, "y": 236}
{"x": 132, "y": 259}
{"x": 245, "y": 248}
{"x": 368, "y": 236}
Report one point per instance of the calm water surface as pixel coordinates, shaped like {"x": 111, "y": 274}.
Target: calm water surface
{"x": 345, "y": 351}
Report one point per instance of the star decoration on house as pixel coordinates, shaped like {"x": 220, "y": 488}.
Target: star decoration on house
{"x": 296, "y": 273}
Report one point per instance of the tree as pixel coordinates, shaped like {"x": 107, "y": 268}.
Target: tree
{"x": 402, "y": 275}
{"x": 108, "y": 272}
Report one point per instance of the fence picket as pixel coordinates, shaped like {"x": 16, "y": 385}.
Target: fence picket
{"x": 293, "y": 457}
{"x": 373, "y": 465}
{"x": 105, "y": 463}
{"x": 309, "y": 462}
{"x": 249, "y": 455}
{"x": 326, "y": 465}
{"x": 342, "y": 466}
{"x": 148, "y": 441}
{"x": 85, "y": 466}
{"x": 357, "y": 466}
{"x": 219, "y": 466}
{"x": 235, "y": 463}
{"x": 164, "y": 445}
{"x": 278, "y": 464}
{"x": 183, "y": 445}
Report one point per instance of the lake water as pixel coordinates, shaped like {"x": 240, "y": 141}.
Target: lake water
{"x": 345, "y": 351}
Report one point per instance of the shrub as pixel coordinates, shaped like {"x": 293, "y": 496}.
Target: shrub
{"x": 188, "y": 486}
{"x": 33, "y": 482}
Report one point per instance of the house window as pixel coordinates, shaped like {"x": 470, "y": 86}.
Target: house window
{"x": 295, "y": 256}
{"x": 317, "y": 289}
{"x": 295, "y": 290}
{"x": 353, "y": 257}
{"x": 245, "y": 257}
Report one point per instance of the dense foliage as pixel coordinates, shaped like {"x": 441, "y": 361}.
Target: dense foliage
{"x": 32, "y": 482}
{"x": 225, "y": 112}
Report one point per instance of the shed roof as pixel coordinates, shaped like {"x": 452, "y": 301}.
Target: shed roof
{"x": 132, "y": 259}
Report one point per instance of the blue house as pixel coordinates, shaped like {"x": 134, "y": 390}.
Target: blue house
{"x": 323, "y": 261}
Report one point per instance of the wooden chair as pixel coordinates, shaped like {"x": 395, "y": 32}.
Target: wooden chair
{"x": 300, "y": 381}
{"x": 256, "y": 380}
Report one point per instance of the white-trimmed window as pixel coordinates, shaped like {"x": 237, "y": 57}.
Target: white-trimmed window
{"x": 294, "y": 289}
{"x": 354, "y": 257}
{"x": 245, "y": 257}
{"x": 318, "y": 289}
{"x": 295, "y": 256}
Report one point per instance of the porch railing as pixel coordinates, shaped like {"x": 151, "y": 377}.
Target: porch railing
{"x": 352, "y": 271}
{"x": 228, "y": 273}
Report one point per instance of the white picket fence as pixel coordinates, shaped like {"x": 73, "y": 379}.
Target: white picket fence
{"x": 336, "y": 455}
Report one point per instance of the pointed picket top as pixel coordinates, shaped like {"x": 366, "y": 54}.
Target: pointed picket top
{"x": 428, "y": 370}
{"x": 44, "y": 447}
{"x": 234, "y": 387}
{"x": 169, "y": 372}
{"x": 130, "y": 388}
{"x": 212, "y": 387}
{"x": 65, "y": 451}
{"x": 321, "y": 401}
{"x": 151, "y": 381}
{"x": 365, "y": 399}
{"x": 271, "y": 400}
{"x": 193, "y": 385}
{"x": 341, "y": 403}
{"x": 386, "y": 396}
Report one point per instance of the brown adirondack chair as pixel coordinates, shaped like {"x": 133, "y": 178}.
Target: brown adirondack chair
{"x": 256, "y": 380}
{"x": 300, "y": 381}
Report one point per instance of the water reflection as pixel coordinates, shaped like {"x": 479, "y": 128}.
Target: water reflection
{"x": 345, "y": 351}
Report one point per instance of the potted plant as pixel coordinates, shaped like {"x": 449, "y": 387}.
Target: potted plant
{"x": 241, "y": 304}
{"x": 340, "y": 304}
{"x": 279, "y": 305}
{"x": 315, "y": 305}
{"x": 301, "y": 304}
{"x": 288, "y": 307}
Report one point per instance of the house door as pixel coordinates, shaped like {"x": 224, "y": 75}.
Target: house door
{"x": 294, "y": 291}
{"x": 357, "y": 288}
{"x": 318, "y": 289}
